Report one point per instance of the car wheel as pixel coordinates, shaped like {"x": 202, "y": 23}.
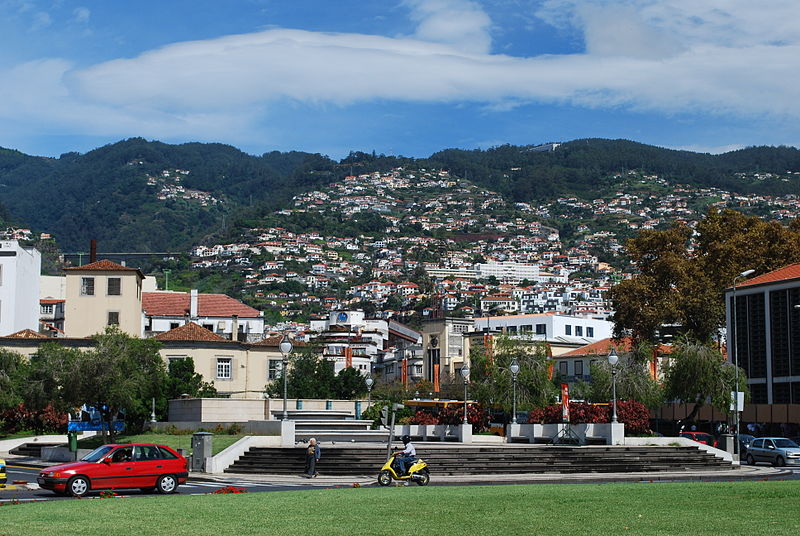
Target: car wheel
{"x": 750, "y": 460}
{"x": 385, "y": 478}
{"x": 779, "y": 461}
{"x": 78, "y": 486}
{"x": 426, "y": 477}
{"x": 167, "y": 484}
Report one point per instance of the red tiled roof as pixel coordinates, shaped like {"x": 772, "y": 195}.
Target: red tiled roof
{"x": 190, "y": 332}
{"x": 781, "y": 274}
{"x": 211, "y": 305}
{"x": 103, "y": 266}
{"x": 603, "y": 347}
{"x": 47, "y": 302}
{"x": 27, "y": 334}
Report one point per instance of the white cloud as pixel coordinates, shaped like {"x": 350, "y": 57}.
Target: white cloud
{"x": 718, "y": 57}
{"x": 460, "y": 23}
{"x": 81, "y": 15}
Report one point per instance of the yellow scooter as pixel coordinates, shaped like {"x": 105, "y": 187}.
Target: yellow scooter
{"x": 418, "y": 472}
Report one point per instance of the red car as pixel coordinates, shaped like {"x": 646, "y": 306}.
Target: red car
{"x": 701, "y": 437}
{"x": 143, "y": 466}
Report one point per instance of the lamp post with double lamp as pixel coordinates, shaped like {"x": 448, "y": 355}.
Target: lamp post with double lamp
{"x": 286, "y": 348}
{"x": 736, "y": 365}
{"x": 612, "y": 360}
{"x": 465, "y": 375}
{"x": 369, "y": 381}
{"x": 514, "y": 368}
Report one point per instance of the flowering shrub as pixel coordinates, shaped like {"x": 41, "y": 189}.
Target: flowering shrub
{"x": 107, "y": 494}
{"x": 45, "y": 420}
{"x": 476, "y": 416}
{"x": 229, "y": 489}
{"x": 634, "y": 414}
{"x": 423, "y": 417}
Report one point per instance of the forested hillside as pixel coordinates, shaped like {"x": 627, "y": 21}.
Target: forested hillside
{"x": 137, "y": 195}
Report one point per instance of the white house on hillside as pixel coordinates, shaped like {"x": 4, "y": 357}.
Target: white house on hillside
{"x": 20, "y": 268}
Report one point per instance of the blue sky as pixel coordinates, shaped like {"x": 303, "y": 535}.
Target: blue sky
{"x": 406, "y": 77}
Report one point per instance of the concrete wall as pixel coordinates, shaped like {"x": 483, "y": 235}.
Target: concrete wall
{"x": 230, "y": 410}
{"x": 614, "y": 434}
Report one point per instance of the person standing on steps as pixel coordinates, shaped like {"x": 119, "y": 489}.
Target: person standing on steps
{"x": 312, "y": 457}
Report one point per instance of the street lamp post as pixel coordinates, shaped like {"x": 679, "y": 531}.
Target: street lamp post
{"x": 736, "y": 366}
{"x": 465, "y": 375}
{"x": 369, "y": 381}
{"x": 612, "y": 360}
{"x": 286, "y": 348}
{"x": 514, "y": 368}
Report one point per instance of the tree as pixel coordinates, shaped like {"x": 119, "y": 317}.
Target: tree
{"x": 50, "y": 375}
{"x": 491, "y": 381}
{"x": 182, "y": 379}
{"x": 309, "y": 376}
{"x": 633, "y": 380}
{"x": 122, "y": 373}
{"x": 13, "y": 377}
{"x": 698, "y": 374}
{"x": 350, "y": 383}
{"x": 684, "y": 272}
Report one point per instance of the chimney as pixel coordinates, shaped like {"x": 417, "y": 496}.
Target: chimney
{"x": 235, "y": 328}
{"x": 193, "y": 304}
{"x": 92, "y": 251}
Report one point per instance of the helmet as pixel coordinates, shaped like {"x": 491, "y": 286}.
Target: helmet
{"x": 406, "y": 439}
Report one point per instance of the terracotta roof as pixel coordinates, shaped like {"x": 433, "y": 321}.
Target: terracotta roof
{"x": 603, "y": 347}
{"x": 49, "y": 301}
{"x": 103, "y": 266}
{"x": 27, "y": 334}
{"x": 781, "y": 274}
{"x": 210, "y": 305}
{"x": 190, "y": 332}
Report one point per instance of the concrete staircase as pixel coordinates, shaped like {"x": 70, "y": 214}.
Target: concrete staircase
{"x": 32, "y": 450}
{"x": 454, "y": 460}
{"x": 332, "y": 427}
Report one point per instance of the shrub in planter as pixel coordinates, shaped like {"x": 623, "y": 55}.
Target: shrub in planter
{"x": 423, "y": 417}
{"x": 476, "y": 416}
{"x": 633, "y": 413}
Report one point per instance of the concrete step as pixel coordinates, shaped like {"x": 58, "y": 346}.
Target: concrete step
{"x": 314, "y": 415}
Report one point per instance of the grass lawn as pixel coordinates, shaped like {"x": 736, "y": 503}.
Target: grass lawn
{"x": 731, "y": 508}
{"x": 219, "y": 443}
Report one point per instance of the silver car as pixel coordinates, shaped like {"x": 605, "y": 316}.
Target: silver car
{"x": 775, "y": 450}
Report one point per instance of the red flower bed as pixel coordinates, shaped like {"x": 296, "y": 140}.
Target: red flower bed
{"x": 229, "y": 489}
{"x": 423, "y": 417}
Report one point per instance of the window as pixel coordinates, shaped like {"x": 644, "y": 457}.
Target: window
{"x": 541, "y": 329}
{"x": 113, "y": 318}
{"x": 590, "y": 332}
{"x": 563, "y": 368}
{"x": 224, "y": 368}
{"x": 87, "y": 286}
{"x": 579, "y": 331}
{"x": 390, "y": 368}
{"x": 578, "y": 368}
{"x": 209, "y": 327}
{"x": 47, "y": 309}
{"x": 174, "y": 325}
{"x": 274, "y": 369}
{"x": 567, "y": 330}
{"x": 114, "y": 286}
{"x": 417, "y": 369}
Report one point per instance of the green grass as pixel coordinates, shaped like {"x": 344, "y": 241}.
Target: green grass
{"x": 184, "y": 441}
{"x": 733, "y": 508}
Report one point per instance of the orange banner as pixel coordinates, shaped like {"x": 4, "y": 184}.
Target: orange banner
{"x": 436, "y": 378}
{"x": 404, "y": 373}
{"x": 654, "y": 365}
{"x": 348, "y": 357}
{"x": 488, "y": 343}
{"x": 564, "y": 402}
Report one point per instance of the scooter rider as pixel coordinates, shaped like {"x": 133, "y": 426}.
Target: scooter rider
{"x": 406, "y": 457}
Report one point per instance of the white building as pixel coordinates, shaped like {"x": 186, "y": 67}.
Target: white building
{"x": 556, "y": 329}
{"x": 508, "y": 271}
{"x": 20, "y": 269}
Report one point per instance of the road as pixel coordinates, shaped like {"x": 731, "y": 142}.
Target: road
{"x": 193, "y": 487}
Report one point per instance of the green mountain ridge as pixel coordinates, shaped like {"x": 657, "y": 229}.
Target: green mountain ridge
{"x": 139, "y": 195}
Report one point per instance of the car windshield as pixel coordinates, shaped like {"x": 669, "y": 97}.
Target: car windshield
{"x": 785, "y": 444}
{"x": 97, "y": 454}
